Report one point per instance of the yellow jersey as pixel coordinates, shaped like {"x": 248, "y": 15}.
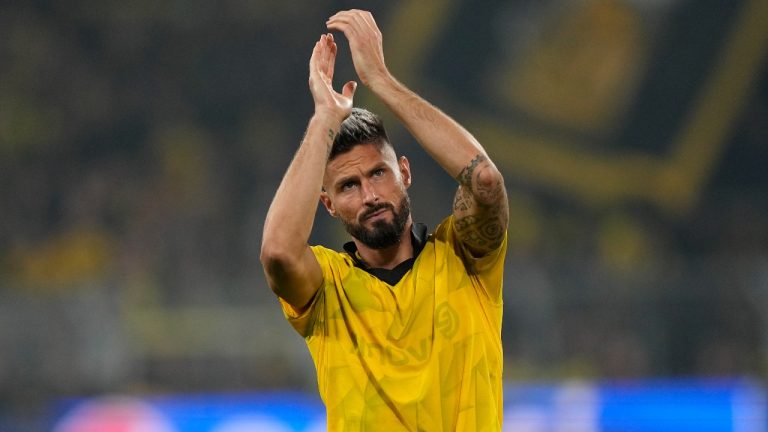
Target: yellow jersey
{"x": 424, "y": 354}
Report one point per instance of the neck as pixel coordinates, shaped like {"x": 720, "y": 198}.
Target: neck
{"x": 388, "y": 258}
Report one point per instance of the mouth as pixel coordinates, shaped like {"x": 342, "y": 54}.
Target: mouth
{"x": 376, "y": 213}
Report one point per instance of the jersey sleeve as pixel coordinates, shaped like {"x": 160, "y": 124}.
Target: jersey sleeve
{"x": 487, "y": 270}
{"x": 305, "y": 321}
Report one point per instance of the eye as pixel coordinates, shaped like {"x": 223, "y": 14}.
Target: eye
{"x": 379, "y": 172}
{"x": 348, "y": 185}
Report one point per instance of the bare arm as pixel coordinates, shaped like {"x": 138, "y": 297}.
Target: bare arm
{"x": 291, "y": 268}
{"x": 480, "y": 206}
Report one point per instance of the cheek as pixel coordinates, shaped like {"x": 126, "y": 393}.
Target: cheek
{"x": 397, "y": 184}
{"x": 347, "y": 209}
{"x": 397, "y": 189}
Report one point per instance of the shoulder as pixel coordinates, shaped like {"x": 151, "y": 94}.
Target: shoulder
{"x": 446, "y": 238}
{"x": 443, "y": 226}
{"x": 334, "y": 264}
{"x": 442, "y": 240}
{"x": 326, "y": 255}
{"x": 445, "y": 231}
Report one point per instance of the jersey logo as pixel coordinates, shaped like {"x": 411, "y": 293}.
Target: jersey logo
{"x": 446, "y": 320}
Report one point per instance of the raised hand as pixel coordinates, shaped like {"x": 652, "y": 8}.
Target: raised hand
{"x": 321, "y": 65}
{"x": 365, "y": 43}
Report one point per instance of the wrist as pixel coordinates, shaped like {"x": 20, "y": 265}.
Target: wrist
{"x": 328, "y": 118}
{"x": 381, "y": 83}
{"x": 323, "y": 128}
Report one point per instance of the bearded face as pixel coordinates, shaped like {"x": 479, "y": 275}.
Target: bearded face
{"x": 382, "y": 233}
{"x": 366, "y": 188}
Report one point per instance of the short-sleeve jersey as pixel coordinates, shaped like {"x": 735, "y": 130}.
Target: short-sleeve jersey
{"x": 422, "y": 355}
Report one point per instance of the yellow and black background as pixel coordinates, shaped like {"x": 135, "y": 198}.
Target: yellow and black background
{"x": 141, "y": 142}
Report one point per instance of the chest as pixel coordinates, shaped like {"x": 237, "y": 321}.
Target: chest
{"x": 429, "y": 302}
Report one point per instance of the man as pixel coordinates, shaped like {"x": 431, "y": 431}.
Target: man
{"x": 404, "y": 328}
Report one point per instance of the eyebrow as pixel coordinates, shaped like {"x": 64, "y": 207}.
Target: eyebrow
{"x": 380, "y": 165}
{"x": 340, "y": 182}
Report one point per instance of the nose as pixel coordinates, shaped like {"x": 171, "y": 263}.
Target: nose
{"x": 369, "y": 193}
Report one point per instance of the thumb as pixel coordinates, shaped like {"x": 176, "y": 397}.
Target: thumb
{"x": 349, "y": 89}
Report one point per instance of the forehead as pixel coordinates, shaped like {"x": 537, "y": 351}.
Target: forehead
{"x": 359, "y": 158}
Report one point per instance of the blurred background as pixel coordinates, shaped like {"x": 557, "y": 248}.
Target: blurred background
{"x": 141, "y": 143}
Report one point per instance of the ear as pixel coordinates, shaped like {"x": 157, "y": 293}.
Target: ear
{"x": 326, "y": 200}
{"x": 405, "y": 170}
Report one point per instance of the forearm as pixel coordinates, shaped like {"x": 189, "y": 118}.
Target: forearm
{"x": 291, "y": 269}
{"x": 481, "y": 203}
{"x": 446, "y": 141}
{"x": 480, "y": 207}
{"x": 449, "y": 144}
{"x": 289, "y": 220}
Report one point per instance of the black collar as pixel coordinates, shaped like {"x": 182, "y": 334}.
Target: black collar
{"x": 393, "y": 276}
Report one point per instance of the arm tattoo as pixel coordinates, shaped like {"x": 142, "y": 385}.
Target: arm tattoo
{"x": 488, "y": 193}
{"x": 331, "y": 139}
{"x": 483, "y": 228}
{"x": 480, "y": 209}
{"x": 465, "y": 176}
{"x": 481, "y": 233}
{"x": 463, "y": 201}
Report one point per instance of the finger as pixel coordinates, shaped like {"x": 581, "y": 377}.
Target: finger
{"x": 344, "y": 23}
{"x": 348, "y": 90}
{"x": 323, "y": 53}
{"x": 348, "y": 12}
{"x": 317, "y": 52}
{"x": 314, "y": 58}
{"x": 342, "y": 18}
{"x": 317, "y": 63}
{"x": 370, "y": 22}
{"x": 336, "y": 24}
{"x": 315, "y": 74}
{"x": 329, "y": 48}
{"x": 353, "y": 24}
{"x": 331, "y": 56}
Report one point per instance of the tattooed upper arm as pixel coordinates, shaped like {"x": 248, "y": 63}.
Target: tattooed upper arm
{"x": 480, "y": 207}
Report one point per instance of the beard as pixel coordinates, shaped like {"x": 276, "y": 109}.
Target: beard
{"x": 382, "y": 234}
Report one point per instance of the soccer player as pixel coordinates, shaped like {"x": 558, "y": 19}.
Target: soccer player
{"x": 404, "y": 327}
